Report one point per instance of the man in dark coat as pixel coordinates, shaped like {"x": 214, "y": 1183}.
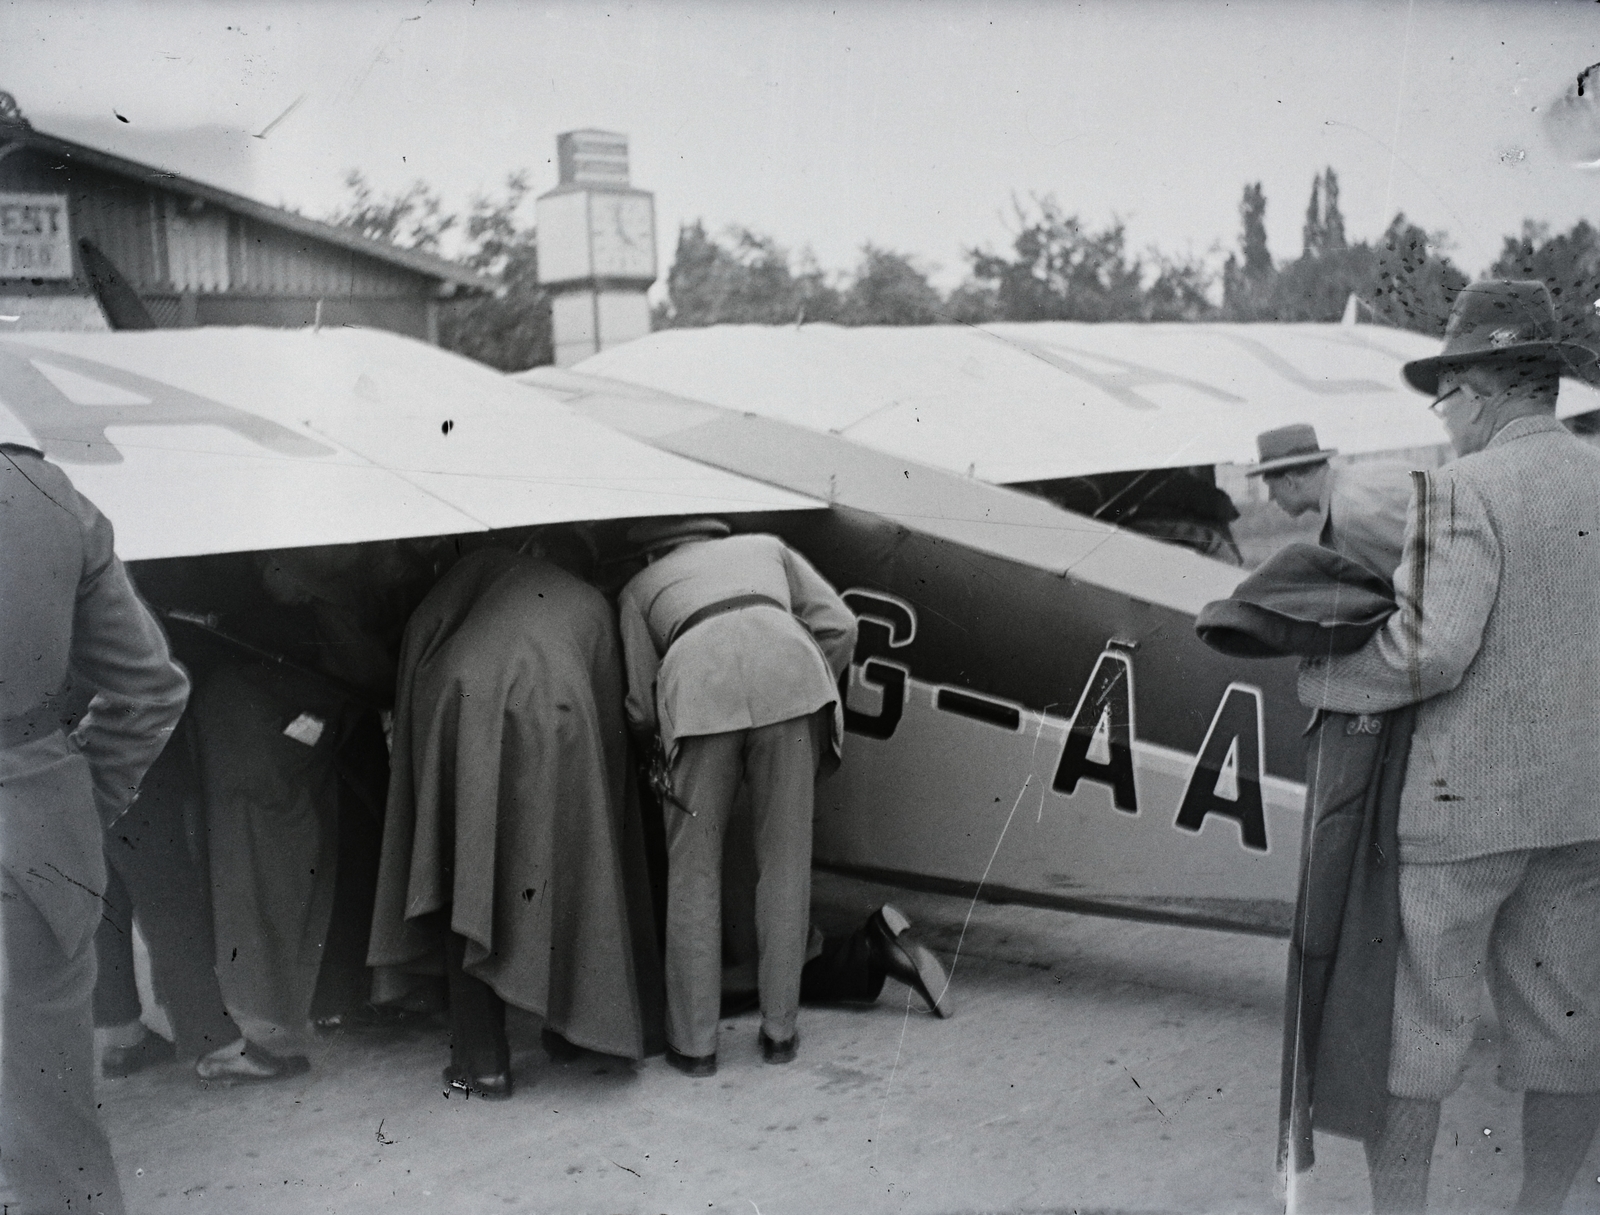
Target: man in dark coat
{"x": 512, "y": 838}
{"x": 66, "y": 600}
{"x": 286, "y": 719}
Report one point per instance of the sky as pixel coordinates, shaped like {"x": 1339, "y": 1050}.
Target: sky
{"x": 828, "y": 125}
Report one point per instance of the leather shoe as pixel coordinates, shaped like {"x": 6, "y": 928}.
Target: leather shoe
{"x": 904, "y": 960}
{"x": 693, "y": 1065}
{"x": 150, "y": 1050}
{"x": 249, "y": 1064}
{"x": 493, "y": 1087}
{"x": 779, "y": 1052}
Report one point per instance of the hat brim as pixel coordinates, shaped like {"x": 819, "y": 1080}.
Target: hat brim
{"x": 1423, "y": 374}
{"x": 1284, "y": 463}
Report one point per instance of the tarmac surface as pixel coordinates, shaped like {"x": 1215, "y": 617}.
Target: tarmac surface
{"x": 1092, "y": 1065}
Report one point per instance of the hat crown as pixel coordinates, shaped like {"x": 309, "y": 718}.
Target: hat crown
{"x": 1288, "y": 441}
{"x": 1498, "y": 314}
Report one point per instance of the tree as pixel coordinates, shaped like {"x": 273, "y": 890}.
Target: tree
{"x": 1253, "y": 233}
{"x": 1569, "y": 264}
{"x": 509, "y": 329}
{"x": 1323, "y": 232}
{"x": 1062, "y": 271}
{"x": 748, "y": 280}
{"x": 413, "y": 219}
{"x": 1180, "y": 291}
{"x": 889, "y": 289}
{"x": 1415, "y": 284}
{"x": 1246, "y": 281}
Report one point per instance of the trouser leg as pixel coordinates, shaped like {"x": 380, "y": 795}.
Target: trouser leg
{"x": 1398, "y": 1161}
{"x": 148, "y": 854}
{"x": 1557, "y": 1129}
{"x": 781, "y": 765}
{"x": 478, "y": 1043}
{"x": 54, "y": 1155}
{"x": 116, "y": 991}
{"x": 705, "y": 778}
{"x": 344, "y": 983}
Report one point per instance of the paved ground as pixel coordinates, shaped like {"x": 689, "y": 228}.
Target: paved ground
{"x": 1092, "y": 1065}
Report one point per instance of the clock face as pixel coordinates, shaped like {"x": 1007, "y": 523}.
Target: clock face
{"x": 622, "y": 235}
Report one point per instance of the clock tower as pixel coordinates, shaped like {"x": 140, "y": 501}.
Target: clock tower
{"x": 597, "y": 247}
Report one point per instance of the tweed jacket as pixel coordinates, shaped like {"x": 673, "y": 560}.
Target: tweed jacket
{"x": 1497, "y": 638}
{"x": 753, "y": 667}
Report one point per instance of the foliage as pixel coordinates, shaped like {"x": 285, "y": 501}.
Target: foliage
{"x": 1404, "y": 279}
{"x": 1569, "y": 264}
{"x": 1061, "y": 270}
{"x": 509, "y": 329}
{"x": 413, "y": 219}
{"x": 748, "y": 279}
{"x": 889, "y": 289}
{"x": 1058, "y": 268}
{"x": 1180, "y": 291}
{"x": 1323, "y": 232}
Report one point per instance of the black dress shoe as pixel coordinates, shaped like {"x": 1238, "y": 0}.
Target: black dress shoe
{"x": 904, "y": 960}
{"x": 779, "y": 1052}
{"x": 150, "y": 1050}
{"x": 693, "y": 1065}
{"x": 557, "y": 1047}
{"x": 496, "y": 1086}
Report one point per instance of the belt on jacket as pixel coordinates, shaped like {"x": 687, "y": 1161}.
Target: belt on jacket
{"x": 721, "y": 607}
{"x": 29, "y": 725}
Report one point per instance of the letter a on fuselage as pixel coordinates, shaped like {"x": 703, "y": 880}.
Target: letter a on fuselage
{"x": 1099, "y": 743}
{"x": 1226, "y": 779}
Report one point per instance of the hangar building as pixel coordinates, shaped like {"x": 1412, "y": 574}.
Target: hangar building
{"x": 89, "y": 239}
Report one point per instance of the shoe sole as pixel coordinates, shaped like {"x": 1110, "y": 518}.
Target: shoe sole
{"x": 236, "y": 1080}
{"x": 932, "y": 984}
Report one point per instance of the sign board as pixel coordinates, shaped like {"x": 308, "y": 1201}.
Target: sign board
{"x": 34, "y": 237}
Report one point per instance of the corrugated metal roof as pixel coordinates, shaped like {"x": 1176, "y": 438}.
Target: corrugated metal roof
{"x": 23, "y": 135}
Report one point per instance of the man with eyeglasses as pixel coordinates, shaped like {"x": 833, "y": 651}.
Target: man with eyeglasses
{"x": 1497, "y": 641}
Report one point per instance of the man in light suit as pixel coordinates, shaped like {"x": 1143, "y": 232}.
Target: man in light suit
{"x": 1497, "y": 639}
{"x": 734, "y": 646}
{"x": 1361, "y": 507}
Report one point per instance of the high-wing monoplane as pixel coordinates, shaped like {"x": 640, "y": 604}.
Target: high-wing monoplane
{"x": 1032, "y": 717}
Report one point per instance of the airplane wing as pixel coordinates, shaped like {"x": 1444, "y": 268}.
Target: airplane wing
{"x": 223, "y": 440}
{"x": 1033, "y": 402}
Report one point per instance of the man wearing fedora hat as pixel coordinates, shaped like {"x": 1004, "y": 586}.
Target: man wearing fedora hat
{"x": 1497, "y": 641}
{"x": 734, "y": 646}
{"x": 1362, "y": 507}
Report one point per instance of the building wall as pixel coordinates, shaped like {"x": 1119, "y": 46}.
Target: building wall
{"x": 194, "y": 263}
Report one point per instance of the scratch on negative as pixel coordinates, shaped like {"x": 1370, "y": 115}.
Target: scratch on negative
{"x": 1147, "y": 1096}
{"x": 624, "y": 1168}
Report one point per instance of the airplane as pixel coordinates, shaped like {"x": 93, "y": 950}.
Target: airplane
{"x": 1031, "y": 716}
{"x": 1033, "y": 719}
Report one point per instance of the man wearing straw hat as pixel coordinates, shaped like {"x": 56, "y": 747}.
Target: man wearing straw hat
{"x": 1497, "y": 641}
{"x": 1362, "y": 507}
{"x": 734, "y": 646}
